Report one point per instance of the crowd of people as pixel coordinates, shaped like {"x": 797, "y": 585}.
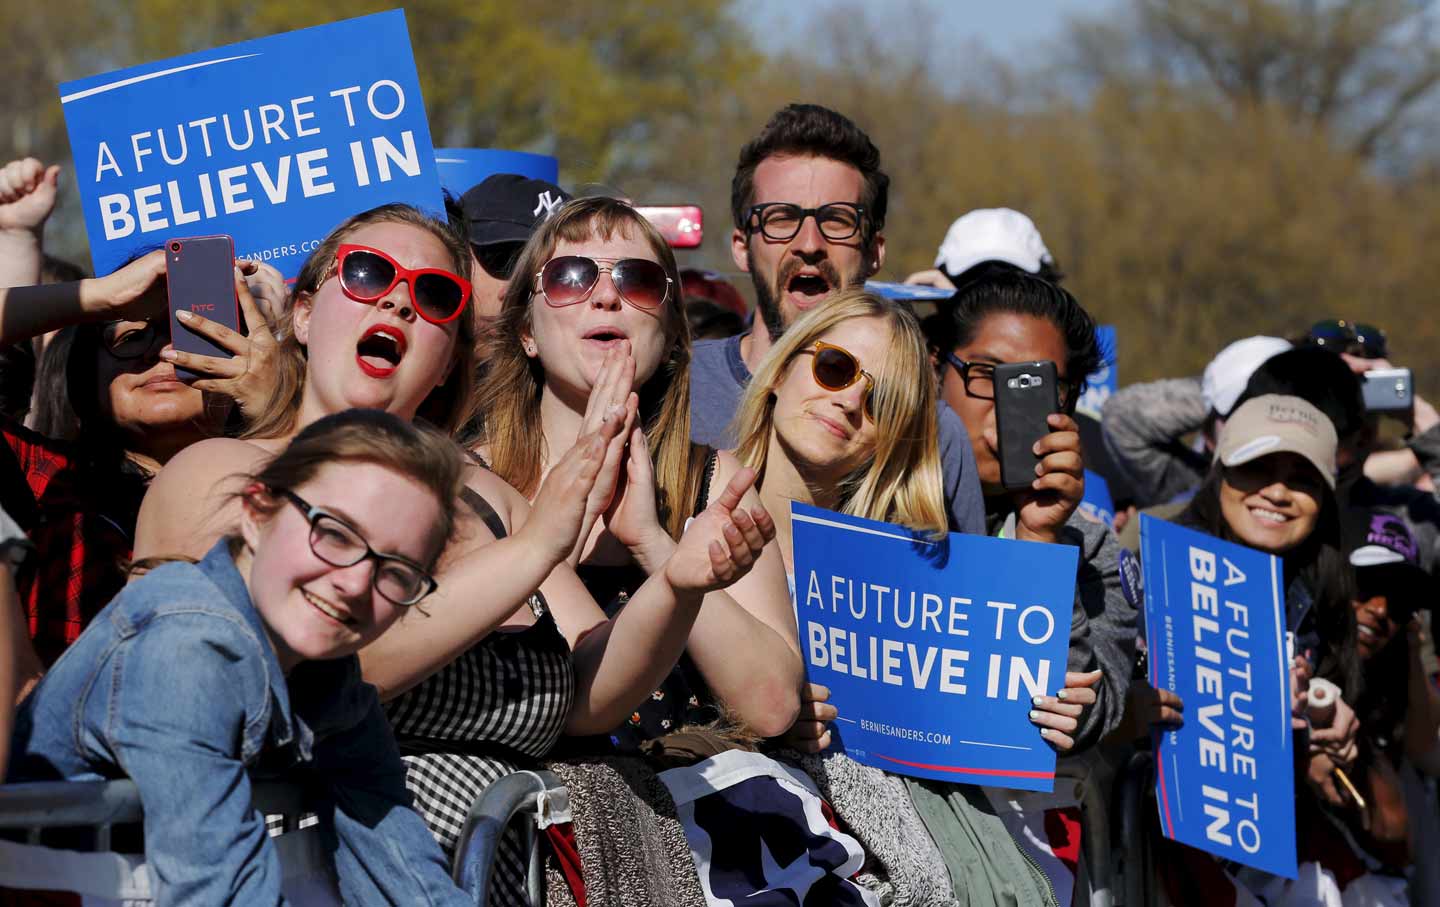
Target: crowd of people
{"x": 510, "y": 489}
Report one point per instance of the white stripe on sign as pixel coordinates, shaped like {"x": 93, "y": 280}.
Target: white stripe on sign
{"x": 100, "y": 89}
{"x": 818, "y": 521}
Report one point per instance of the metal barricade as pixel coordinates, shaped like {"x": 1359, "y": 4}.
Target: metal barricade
{"x": 98, "y": 806}
{"x": 516, "y": 799}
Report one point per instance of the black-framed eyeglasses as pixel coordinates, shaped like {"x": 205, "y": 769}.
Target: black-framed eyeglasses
{"x": 1341, "y": 336}
{"x": 781, "y": 221}
{"x": 125, "y": 340}
{"x": 979, "y": 380}
{"x": 398, "y": 579}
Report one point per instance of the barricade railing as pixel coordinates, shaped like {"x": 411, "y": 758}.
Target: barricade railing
{"x": 521, "y": 800}
{"x": 31, "y": 811}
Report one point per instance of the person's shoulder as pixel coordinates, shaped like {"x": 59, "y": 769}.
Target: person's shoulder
{"x": 720, "y": 358}
{"x": 214, "y": 457}
{"x": 186, "y": 508}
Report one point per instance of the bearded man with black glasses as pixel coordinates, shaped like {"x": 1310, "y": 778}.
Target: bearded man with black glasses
{"x": 808, "y": 199}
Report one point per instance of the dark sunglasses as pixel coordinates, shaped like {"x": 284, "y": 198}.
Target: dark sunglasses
{"x": 498, "y": 259}
{"x": 368, "y": 274}
{"x": 398, "y": 579}
{"x": 836, "y": 368}
{"x": 126, "y": 340}
{"x": 570, "y": 279}
{"x": 1340, "y": 336}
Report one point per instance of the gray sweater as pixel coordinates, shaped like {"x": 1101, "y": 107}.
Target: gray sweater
{"x": 1144, "y": 425}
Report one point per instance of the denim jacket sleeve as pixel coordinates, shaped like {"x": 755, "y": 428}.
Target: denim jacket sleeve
{"x": 184, "y": 690}
{"x": 385, "y": 854}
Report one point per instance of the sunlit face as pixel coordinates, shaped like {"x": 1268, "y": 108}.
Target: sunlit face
{"x": 826, "y": 433}
{"x": 312, "y": 609}
{"x": 141, "y": 396}
{"x": 1272, "y": 503}
{"x": 571, "y": 341}
{"x": 1000, "y": 338}
{"x": 379, "y": 355}
{"x": 794, "y": 276}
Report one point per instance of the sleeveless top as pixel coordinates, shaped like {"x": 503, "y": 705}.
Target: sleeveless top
{"x": 494, "y": 710}
{"x": 683, "y": 696}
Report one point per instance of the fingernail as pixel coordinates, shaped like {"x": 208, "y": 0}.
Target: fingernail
{"x": 168, "y": 354}
{"x": 1060, "y": 695}
{"x": 1038, "y": 700}
{"x": 1045, "y": 732}
{"x": 183, "y": 315}
{"x": 1034, "y": 714}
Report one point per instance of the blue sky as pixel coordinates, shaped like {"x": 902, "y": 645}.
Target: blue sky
{"x": 998, "y": 26}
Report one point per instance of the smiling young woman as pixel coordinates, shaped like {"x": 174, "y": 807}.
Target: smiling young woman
{"x": 267, "y": 625}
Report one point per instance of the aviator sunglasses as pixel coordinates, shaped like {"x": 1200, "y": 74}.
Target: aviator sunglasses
{"x": 367, "y": 274}
{"x": 836, "y": 368}
{"x": 571, "y": 279}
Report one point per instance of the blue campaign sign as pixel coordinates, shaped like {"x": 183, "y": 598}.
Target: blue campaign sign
{"x": 1215, "y": 626}
{"x": 1103, "y": 382}
{"x": 911, "y": 292}
{"x": 274, "y": 141}
{"x": 461, "y": 168}
{"x": 932, "y": 650}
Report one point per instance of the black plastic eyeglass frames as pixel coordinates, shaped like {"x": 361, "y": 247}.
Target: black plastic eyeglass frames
{"x": 335, "y": 542}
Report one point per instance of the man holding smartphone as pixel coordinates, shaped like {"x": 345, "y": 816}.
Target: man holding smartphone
{"x": 808, "y": 200}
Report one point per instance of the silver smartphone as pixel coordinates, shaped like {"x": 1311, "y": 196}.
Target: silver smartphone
{"x": 1388, "y": 390}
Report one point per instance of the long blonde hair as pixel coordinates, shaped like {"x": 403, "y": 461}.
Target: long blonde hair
{"x": 447, "y": 406}
{"x": 900, "y": 482}
{"x": 509, "y": 398}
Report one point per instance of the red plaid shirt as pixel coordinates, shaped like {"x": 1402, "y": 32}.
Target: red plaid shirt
{"x": 82, "y": 525}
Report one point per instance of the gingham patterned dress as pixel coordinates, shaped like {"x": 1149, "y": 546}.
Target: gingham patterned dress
{"x": 496, "y": 709}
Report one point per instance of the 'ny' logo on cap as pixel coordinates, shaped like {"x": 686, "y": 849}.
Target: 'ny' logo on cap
{"x": 547, "y": 203}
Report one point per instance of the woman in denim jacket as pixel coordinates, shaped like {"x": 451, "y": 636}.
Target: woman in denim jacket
{"x": 198, "y": 672}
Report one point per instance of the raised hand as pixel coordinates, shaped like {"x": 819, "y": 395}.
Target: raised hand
{"x": 611, "y": 394}
{"x": 135, "y": 292}
{"x": 27, "y": 194}
{"x": 722, "y": 543}
{"x": 267, "y": 286}
{"x": 559, "y": 509}
{"x": 632, "y": 516}
{"x": 1059, "y": 484}
{"x": 247, "y": 377}
{"x": 1058, "y": 716}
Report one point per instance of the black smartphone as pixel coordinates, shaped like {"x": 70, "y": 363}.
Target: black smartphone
{"x": 200, "y": 278}
{"x": 1025, "y": 396}
{"x": 1388, "y": 390}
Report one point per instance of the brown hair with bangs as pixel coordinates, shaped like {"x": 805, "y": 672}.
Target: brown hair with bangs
{"x": 447, "y": 406}
{"x": 509, "y": 398}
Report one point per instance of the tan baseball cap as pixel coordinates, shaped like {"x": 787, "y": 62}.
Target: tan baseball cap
{"x": 1274, "y": 423}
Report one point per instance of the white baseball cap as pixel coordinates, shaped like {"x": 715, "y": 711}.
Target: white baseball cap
{"x": 1228, "y": 373}
{"x": 992, "y": 234}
